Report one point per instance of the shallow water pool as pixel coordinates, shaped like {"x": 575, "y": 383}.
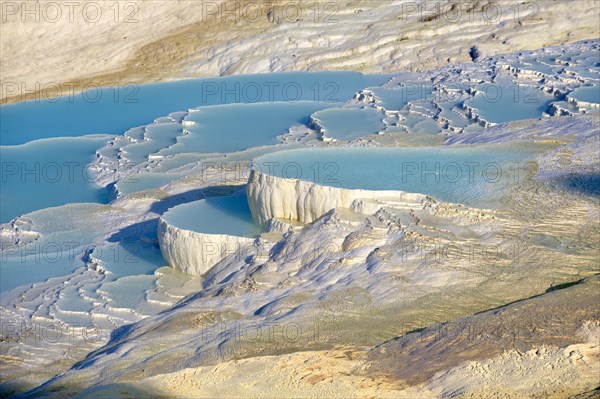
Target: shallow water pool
{"x": 474, "y": 176}
{"x": 236, "y": 127}
{"x": 216, "y": 215}
{"x": 349, "y": 123}
{"x": 505, "y": 101}
{"x": 111, "y": 110}
{"x": 589, "y": 94}
{"x": 47, "y": 173}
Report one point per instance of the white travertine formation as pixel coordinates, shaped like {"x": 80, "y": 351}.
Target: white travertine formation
{"x": 305, "y": 201}
{"x": 582, "y": 103}
{"x": 195, "y": 253}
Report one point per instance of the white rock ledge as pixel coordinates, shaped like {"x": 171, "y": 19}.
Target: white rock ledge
{"x": 581, "y": 103}
{"x": 195, "y": 253}
{"x": 276, "y": 197}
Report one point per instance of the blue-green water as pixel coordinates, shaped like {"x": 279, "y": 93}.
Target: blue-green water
{"x": 114, "y": 110}
{"x": 270, "y": 104}
{"x": 44, "y": 157}
{"x": 49, "y": 172}
{"x": 64, "y": 236}
{"x": 235, "y": 127}
{"x": 473, "y": 176}
{"x": 216, "y": 215}
{"x": 590, "y": 94}
{"x": 349, "y": 123}
{"x": 505, "y": 101}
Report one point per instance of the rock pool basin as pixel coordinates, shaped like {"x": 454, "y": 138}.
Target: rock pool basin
{"x": 303, "y": 184}
{"x": 195, "y": 236}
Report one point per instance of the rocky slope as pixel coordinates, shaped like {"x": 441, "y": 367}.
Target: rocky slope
{"x": 96, "y": 44}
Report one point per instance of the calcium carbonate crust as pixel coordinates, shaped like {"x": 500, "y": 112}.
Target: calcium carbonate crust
{"x": 195, "y": 253}
{"x": 304, "y": 201}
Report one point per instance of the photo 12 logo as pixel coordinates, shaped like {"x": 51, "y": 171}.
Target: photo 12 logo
{"x": 468, "y": 11}
{"x": 256, "y": 11}
{"x": 269, "y": 91}
{"x": 52, "y": 12}
{"x": 66, "y": 92}
{"x": 52, "y": 333}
